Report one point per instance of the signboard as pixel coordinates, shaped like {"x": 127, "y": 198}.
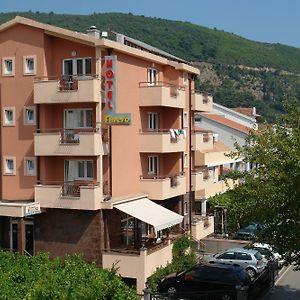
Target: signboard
{"x": 32, "y": 209}
{"x": 110, "y": 89}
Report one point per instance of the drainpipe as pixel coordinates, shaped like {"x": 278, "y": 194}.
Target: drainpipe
{"x": 38, "y": 169}
{"x": 190, "y": 155}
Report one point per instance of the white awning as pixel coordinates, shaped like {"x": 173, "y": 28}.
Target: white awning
{"x": 150, "y": 213}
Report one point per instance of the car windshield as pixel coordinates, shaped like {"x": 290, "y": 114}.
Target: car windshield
{"x": 258, "y": 256}
{"x": 251, "y": 227}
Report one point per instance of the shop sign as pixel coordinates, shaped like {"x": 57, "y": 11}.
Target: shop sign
{"x": 110, "y": 89}
{"x": 32, "y": 209}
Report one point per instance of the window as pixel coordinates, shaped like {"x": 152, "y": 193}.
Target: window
{"x": 243, "y": 256}
{"x": 153, "y": 165}
{"x": 9, "y": 167}
{"x": 78, "y": 169}
{"x": 185, "y": 160}
{"x": 152, "y": 121}
{"x": 226, "y": 255}
{"x": 29, "y": 115}
{"x": 8, "y": 116}
{"x": 29, "y": 65}
{"x": 8, "y": 66}
{"x": 185, "y": 119}
{"x": 185, "y": 78}
{"x": 29, "y": 166}
{"x": 78, "y": 118}
{"x": 152, "y": 76}
{"x": 77, "y": 66}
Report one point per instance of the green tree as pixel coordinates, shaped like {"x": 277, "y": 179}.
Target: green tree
{"x": 270, "y": 193}
{"x": 38, "y": 277}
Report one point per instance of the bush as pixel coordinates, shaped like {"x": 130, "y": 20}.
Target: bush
{"x": 38, "y": 277}
{"x": 183, "y": 258}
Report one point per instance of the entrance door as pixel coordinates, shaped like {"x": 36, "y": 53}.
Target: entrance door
{"x": 29, "y": 236}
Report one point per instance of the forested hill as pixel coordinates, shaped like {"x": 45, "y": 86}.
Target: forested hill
{"x": 274, "y": 66}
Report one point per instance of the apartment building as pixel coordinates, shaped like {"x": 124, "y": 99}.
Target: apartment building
{"x": 99, "y": 147}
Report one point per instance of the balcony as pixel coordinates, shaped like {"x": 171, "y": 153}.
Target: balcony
{"x": 212, "y": 158}
{"x": 162, "y": 94}
{"x": 139, "y": 264}
{"x": 69, "y": 142}
{"x": 161, "y": 188}
{"x": 162, "y": 141}
{"x": 197, "y": 180}
{"x": 212, "y": 188}
{"x": 202, "y": 140}
{"x": 202, "y": 226}
{"x": 69, "y": 195}
{"x": 59, "y": 90}
{"x": 202, "y": 102}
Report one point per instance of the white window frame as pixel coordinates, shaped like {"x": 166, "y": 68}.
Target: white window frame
{"x": 5, "y": 120}
{"x": 185, "y": 78}
{"x": 26, "y": 70}
{"x": 185, "y": 160}
{"x": 153, "y": 165}
{"x": 84, "y": 117}
{"x": 27, "y": 161}
{"x": 74, "y": 66}
{"x": 5, "y": 72}
{"x": 25, "y": 115}
{"x": 152, "y": 76}
{"x": 185, "y": 119}
{"x": 85, "y": 177}
{"x": 6, "y": 169}
{"x": 152, "y": 120}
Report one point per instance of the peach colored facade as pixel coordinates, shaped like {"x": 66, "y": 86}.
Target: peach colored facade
{"x": 59, "y": 155}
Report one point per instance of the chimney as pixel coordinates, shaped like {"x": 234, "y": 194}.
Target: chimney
{"x": 93, "y": 32}
{"x": 254, "y": 111}
{"x": 120, "y": 38}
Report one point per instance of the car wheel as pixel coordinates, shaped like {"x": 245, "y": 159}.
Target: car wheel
{"x": 226, "y": 297}
{"x": 172, "y": 291}
{"x": 251, "y": 273}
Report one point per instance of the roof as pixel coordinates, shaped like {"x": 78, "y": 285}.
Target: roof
{"x": 229, "y": 123}
{"x": 102, "y": 42}
{"x": 247, "y": 111}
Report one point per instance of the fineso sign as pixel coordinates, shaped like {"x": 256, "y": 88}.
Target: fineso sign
{"x": 112, "y": 117}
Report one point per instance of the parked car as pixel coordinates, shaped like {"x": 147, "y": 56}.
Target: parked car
{"x": 250, "y": 231}
{"x": 251, "y": 260}
{"x": 268, "y": 252}
{"x": 217, "y": 279}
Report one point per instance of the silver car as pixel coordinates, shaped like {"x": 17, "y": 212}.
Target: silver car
{"x": 251, "y": 260}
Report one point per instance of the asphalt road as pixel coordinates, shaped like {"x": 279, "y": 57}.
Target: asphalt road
{"x": 287, "y": 286}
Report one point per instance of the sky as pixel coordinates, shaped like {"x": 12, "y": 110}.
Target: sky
{"x": 272, "y": 21}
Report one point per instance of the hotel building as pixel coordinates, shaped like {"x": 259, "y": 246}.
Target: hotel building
{"x": 100, "y": 153}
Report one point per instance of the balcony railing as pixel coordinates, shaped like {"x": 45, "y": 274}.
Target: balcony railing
{"x": 162, "y": 94}
{"x": 202, "y": 140}
{"x": 67, "y": 89}
{"x": 68, "y": 141}
{"x": 79, "y": 194}
{"x": 202, "y": 226}
{"x": 163, "y": 140}
{"x": 202, "y": 101}
{"x": 160, "y": 187}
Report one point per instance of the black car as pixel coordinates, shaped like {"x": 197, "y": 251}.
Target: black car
{"x": 249, "y": 232}
{"x": 218, "y": 280}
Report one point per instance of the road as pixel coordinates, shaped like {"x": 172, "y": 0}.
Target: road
{"x": 287, "y": 286}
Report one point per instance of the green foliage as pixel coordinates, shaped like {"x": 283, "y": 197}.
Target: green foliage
{"x": 196, "y": 43}
{"x": 271, "y": 192}
{"x": 35, "y": 278}
{"x": 183, "y": 258}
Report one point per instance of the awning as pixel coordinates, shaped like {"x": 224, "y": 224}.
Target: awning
{"x": 150, "y": 213}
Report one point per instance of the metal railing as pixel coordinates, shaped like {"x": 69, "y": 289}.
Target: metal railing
{"x": 70, "y": 188}
{"x": 161, "y": 177}
{"x": 68, "y": 135}
{"x": 66, "y": 82}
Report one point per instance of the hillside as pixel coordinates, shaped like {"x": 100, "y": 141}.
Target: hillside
{"x": 273, "y": 67}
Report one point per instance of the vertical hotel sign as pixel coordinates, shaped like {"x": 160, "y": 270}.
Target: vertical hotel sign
{"x": 110, "y": 75}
